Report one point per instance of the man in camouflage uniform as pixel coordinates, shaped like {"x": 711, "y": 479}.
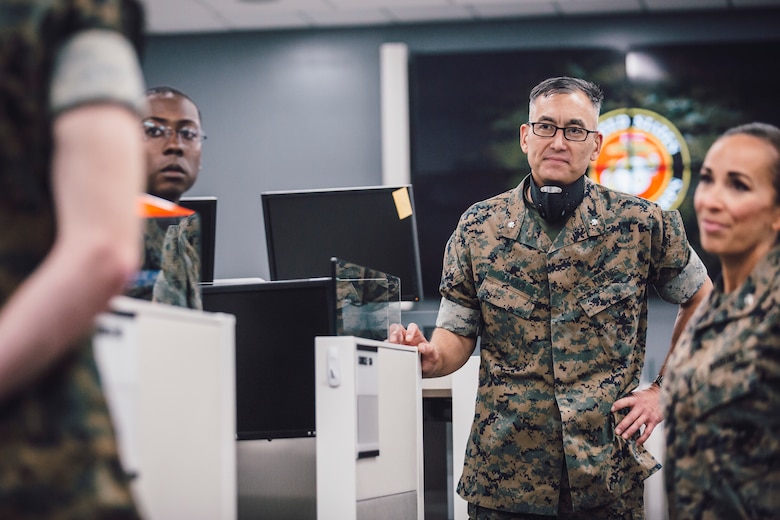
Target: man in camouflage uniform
{"x": 722, "y": 393}
{"x": 554, "y": 277}
{"x": 173, "y": 141}
{"x": 71, "y": 167}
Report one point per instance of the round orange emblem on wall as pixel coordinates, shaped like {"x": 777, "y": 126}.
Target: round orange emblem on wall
{"x": 642, "y": 154}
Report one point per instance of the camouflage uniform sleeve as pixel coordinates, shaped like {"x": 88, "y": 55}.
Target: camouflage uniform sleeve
{"x": 191, "y": 243}
{"x": 677, "y": 271}
{"x": 458, "y": 319}
{"x": 96, "y": 66}
{"x": 682, "y": 287}
{"x": 459, "y": 311}
{"x": 178, "y": 281}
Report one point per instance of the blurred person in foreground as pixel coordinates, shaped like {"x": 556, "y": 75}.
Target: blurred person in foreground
{"x": 722, "y": 393}
{"x": 173, "y": 141}
{"x": 553, "y": 276}
{"x": 71, "y": 172}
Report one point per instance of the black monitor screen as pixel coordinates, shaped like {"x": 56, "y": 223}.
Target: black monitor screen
{"x": 276, "y": 323}
{"x": 370, "y": 226}
{"x": 206, "y": 207}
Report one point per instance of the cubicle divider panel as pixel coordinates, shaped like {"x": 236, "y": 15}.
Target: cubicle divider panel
{"x": 367, "y": 470}
{"x": 169, "y": 378}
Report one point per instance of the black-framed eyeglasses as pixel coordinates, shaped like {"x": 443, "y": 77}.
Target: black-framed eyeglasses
{"x": 571, "y": 133}
{"x": 188, "y": 134}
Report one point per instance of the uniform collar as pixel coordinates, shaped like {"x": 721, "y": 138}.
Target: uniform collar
{"x": 586, "y": 221}
{"x": 759, "y": 285}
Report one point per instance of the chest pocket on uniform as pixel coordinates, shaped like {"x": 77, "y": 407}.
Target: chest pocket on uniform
{"x": 605, "y": 291}
{"x": 505, "y": 296}
{"x": 731, "y": 377}
{"x": 610, "y": 300}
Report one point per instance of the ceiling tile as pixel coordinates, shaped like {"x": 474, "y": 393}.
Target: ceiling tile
{"x": 283, "y": 5}
{"x": 168, "y": 16}
{"x": 492, "y": 9}
{"x": 351, "y": 17}
{"x": 251, "y": 8}
{"x": 432, "y": 13}
{"x": 179, "y": 16}
{"x": 269, "y": 21}
{"x": 599, "y": 6}
{"x": 267, "y": 15}
{"x": 507, "y": 3}
{"x": 388, "y": 4}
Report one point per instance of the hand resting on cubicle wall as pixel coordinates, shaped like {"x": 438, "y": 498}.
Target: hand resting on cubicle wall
{"x": 442, "y": 355}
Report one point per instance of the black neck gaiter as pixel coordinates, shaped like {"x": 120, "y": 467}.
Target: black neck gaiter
{"x": 556, "y": 203}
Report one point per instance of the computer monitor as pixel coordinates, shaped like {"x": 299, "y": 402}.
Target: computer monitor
{"x": 370, "y": 226}
{"x": 206, "y": 207}
{"x": 276, "y": 323}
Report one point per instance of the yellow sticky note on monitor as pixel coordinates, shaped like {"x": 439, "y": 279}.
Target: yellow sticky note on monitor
{"x": 403, "y": 204}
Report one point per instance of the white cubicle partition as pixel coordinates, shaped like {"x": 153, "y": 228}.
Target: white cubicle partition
{"x": 168, "y": 374}
{"x": 369, "y": 430}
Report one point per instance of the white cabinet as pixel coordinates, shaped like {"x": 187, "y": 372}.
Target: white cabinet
{"x": 168, "y": 375}
{"x": 369, "y": 430}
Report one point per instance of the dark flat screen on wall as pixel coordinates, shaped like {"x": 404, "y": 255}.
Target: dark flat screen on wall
{"x": 276, "y": 323}
{"x": 206, "y": 207}
{"x": 371, "y": 226}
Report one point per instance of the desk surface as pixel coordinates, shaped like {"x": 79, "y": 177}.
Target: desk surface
{"x": 437, "y": 386}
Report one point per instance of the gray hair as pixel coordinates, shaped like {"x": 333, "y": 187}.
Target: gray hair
{"x": 566, "y": 85}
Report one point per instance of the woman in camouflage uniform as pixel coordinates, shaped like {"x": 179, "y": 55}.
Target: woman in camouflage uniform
{"x": 71, "y": 170}
{"x": 722, "y": 390}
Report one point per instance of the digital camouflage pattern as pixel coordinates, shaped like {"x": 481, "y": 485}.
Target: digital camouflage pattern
{"x": 722, "y": 402}
{"x": 170, "y": 271}
{"x": 563, "y": 327}
{"x": 58, "y": 458}
{"x": 629, "y": 506}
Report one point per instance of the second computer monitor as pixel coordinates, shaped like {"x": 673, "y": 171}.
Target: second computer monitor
{"x": 276, "y": 323}
{"x": 370, "y": 226}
